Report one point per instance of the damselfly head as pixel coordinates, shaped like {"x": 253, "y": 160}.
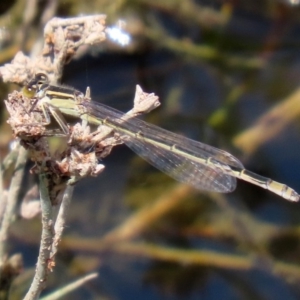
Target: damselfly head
{"x": 37, "y": 83}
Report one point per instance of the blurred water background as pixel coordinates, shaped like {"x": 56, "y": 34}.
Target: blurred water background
{"x": 227, "y": 74}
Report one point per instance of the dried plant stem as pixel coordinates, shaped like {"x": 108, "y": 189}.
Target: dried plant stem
{"x": 10, "y": 159}
{"x": 70, "y": 287}
{"x": 61, "y": 218}
{"x": 62, "y": 38}
{"x": 143, "y": 219}
{"x": 44, "y": 260}
{"x": 193, "y": 257}
{"x": 206, "y": 258}
{"x": 10, "y": 210}
{"x": 184, "y": 257}
{"x": 269, "y": 125}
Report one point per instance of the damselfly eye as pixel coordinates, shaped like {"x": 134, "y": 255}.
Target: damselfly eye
{"x": 28, "y": 92}
{"x": 35, "y": 84}
{"x": 41, "y": 78}
{"x": 38, "y": 80}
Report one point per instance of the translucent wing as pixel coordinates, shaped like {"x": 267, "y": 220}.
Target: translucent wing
{"x": 182, "y": 169}
{"x": 183, "y": 159}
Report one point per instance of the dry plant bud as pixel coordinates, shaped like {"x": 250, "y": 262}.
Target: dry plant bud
{"x": 144, "y": 102}
{"x": 78, "y": 165}
{"x": 24, "y": 121}
{"x": 19, "y": 70}
{"x": 62, "y": 37}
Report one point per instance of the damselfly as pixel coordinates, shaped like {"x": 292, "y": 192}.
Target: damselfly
{"x": 186, "y": 160}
